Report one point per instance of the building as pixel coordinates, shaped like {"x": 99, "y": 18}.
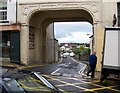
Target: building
{"x": 10, "y": 36}
{"x": 10, "y": 31}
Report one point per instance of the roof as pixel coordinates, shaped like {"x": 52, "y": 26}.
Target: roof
{"x": 72, "y": 45}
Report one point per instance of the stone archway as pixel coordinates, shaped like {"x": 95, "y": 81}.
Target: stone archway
{"x": 34, "y": 17}
{"x": 41, "y": 25}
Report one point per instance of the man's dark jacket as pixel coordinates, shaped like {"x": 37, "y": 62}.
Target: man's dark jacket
{"x": 93, "y": 59}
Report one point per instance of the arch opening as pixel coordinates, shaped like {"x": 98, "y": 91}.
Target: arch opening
{"x": 41, "y": 30}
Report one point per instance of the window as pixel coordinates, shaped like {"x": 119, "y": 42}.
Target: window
{"x": 3, "y": 15}
{"x": 3, "y": 10}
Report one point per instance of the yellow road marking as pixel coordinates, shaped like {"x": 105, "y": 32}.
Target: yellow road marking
{"x": 114, "y": 89}
{"x": 83, "y": 82}
{"x": 96, "y": 89}
{"x": 61, "y": 90}
{"x": 31, "y": 88}
{"x": 67, "y": 84}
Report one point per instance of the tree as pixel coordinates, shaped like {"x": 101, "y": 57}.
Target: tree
{"x": 81, "y": 50}
{"x": 77, "y": 51}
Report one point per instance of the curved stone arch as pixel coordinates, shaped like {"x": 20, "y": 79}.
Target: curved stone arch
{"x": 90, "y": 12}
{"x": 28, "y": 17}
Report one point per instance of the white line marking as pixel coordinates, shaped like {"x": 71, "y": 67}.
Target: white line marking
{"x": 67, "y": 75}
{"x": 81, "y": 71}
{"x": 55, "y": 71}
{"x": 56, "y": 74}
{"x": 84, "y": 66}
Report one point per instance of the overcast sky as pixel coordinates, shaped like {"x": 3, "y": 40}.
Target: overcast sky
{"x": 72, "y": 32}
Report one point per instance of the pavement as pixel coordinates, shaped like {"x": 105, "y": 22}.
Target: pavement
{"x": 5, "y": 63}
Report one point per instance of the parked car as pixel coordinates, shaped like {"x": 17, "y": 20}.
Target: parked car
{"x": 66, "y": 54}
{"x": 72, "y": 54}
{"x": 24, "y": 81}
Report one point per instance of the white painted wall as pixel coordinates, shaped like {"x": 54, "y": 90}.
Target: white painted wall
{"x": 11, "y": 11}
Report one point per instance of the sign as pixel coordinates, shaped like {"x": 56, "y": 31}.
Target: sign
{"x": 10, "y": 27}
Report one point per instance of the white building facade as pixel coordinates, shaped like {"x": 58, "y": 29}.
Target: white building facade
{"x": 9, "y": 31}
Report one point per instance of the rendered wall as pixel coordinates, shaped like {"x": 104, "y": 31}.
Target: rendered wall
{"x": 108, "y": 9}
{"x": 50, "y": 43}
{"x": 55, "y": 0}
{"x": 56, "y": 50}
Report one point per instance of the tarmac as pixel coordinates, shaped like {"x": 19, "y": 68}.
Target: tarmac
{"x": 75, "y": 85}
{"x": 20, "y": 66}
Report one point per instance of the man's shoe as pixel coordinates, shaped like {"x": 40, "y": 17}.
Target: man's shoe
{"x": 88, "y": 77}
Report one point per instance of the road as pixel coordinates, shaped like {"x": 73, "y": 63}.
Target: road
{"x": 66, "y": 76}
{"x": 66, "y": 67}
{"x": 69, "y": 67}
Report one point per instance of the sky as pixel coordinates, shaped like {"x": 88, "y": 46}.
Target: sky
{"x": 72, "y": 32}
